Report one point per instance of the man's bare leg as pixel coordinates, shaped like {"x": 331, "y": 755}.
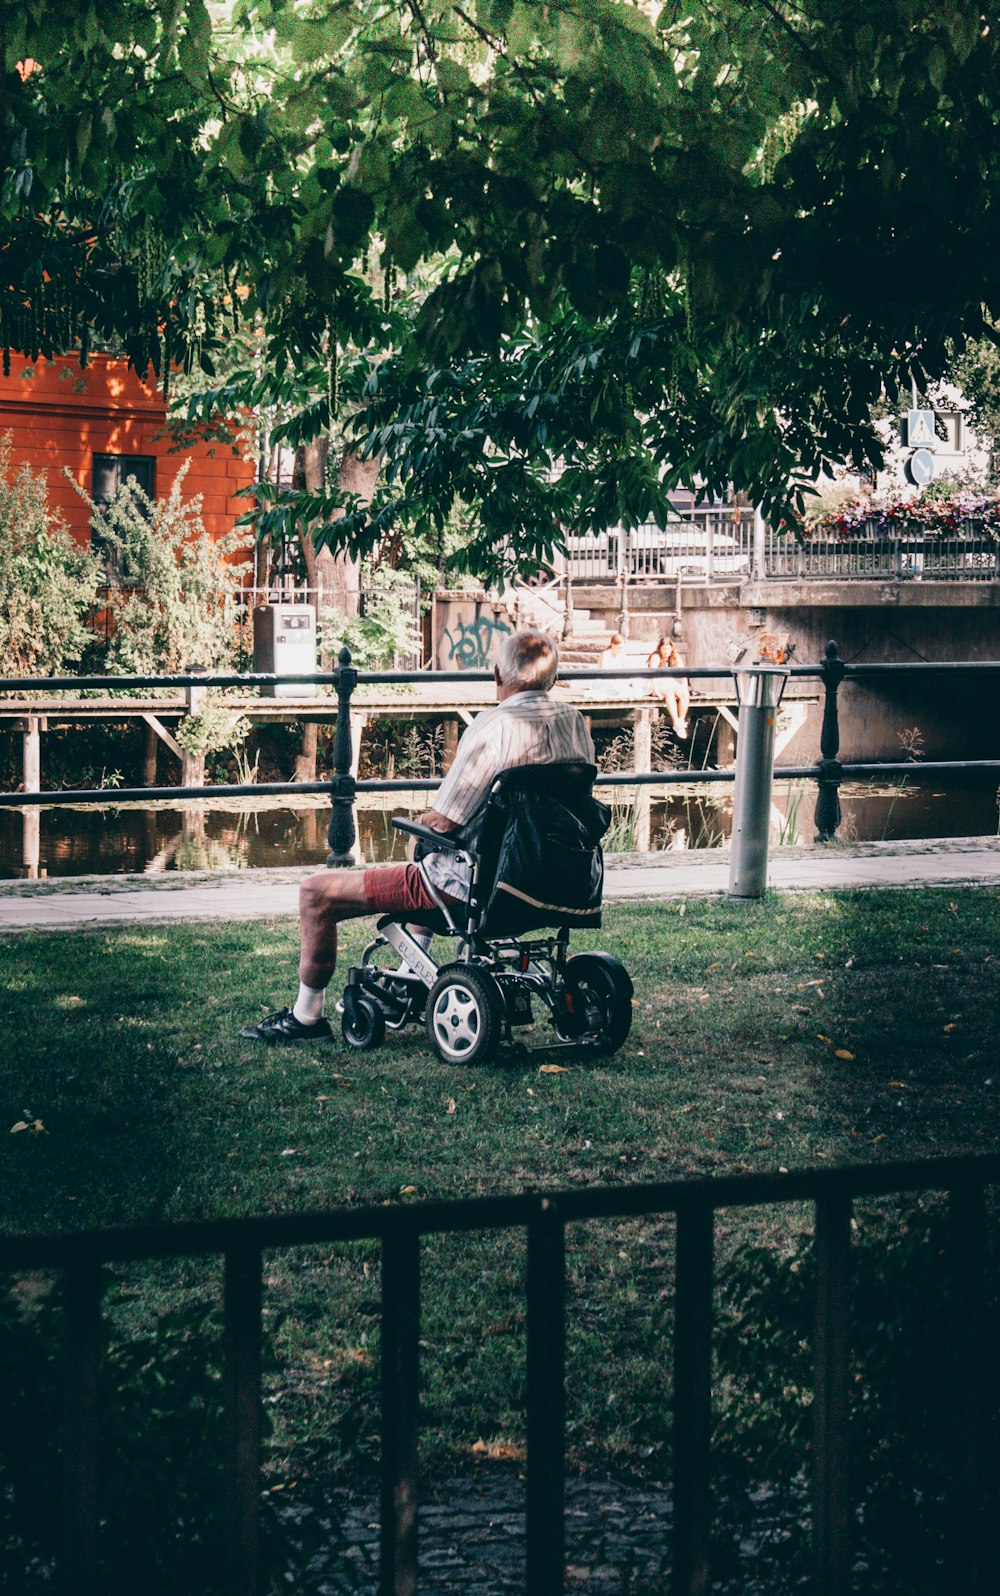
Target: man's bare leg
{"x": 323, "y": 900}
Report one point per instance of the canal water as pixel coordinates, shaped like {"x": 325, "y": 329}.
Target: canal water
{"x": 267, "y": 834}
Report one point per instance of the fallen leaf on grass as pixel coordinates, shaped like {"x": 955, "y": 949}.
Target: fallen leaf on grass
{"x": 35, "y": 1126}
{"x": 553, "y": 1069}
{"x": 451, "y": 1107}
{"x": 952, "y": 1026}
{"x": 499, "y": 1451}
{"x": 841, "y": 1052}
{"x": 801, "y": 1008}
{"x": 407, "y": 1191}
{"x": 895, "y": 1083}
{"x": 289, "y": 1152}
{"x": 821, "y": 1038}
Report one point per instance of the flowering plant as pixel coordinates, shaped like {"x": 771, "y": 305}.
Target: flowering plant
{"x": 936, "y": 513}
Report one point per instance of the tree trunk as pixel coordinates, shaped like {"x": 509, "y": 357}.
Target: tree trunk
{"x": 335, "y": 578}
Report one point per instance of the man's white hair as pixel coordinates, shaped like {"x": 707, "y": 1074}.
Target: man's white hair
{"x": 528, "y": 662}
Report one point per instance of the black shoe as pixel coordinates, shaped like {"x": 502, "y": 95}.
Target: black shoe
{"x": 284, "y": 1027}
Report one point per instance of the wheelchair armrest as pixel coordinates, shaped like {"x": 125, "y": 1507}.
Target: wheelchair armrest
{"x": 450, "y": 840}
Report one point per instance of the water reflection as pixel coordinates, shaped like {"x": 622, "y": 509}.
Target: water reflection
{"x": 70, "y": 842}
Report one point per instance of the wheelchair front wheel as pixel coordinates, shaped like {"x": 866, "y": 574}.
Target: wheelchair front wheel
{"x": 464, "y": 1016}
{"x": 600, "y": 992}
{"x": 365, "y": 1026}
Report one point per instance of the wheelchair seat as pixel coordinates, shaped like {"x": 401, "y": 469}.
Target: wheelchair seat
{"x": 534, "y": 857}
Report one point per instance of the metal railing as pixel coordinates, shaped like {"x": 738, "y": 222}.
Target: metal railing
{"x": 242, "y": 1243}
{"x": 829, "y": 771}
{"x": 729, "y": 543}
{"x": 879, "y": 555}
{"x": 709, "y": 543}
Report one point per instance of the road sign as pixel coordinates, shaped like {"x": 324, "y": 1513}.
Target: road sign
{"x": 920, "y": 468}
{"x": 920, "y": 428}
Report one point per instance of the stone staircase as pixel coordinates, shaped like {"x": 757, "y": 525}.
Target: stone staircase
{"x": 583, "y": 650}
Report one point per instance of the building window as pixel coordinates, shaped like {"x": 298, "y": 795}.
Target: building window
{"x": 110, "y": 472}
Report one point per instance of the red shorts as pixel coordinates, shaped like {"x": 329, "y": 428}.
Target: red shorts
{"x": 398, "y": 889}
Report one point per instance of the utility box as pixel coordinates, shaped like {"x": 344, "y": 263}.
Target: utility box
{"x": 284, "y": 644}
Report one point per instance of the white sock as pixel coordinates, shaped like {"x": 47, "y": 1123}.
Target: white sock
{"x": 308, "y": 1006}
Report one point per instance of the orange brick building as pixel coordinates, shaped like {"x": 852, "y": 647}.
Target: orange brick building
{"x": 105, "y": 424}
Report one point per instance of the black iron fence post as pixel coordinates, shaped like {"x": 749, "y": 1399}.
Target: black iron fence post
{"x": 828, "y": 767}
{"x": 341, "y": 835}
{"x": 243, "y": 1292}
{"x": 546, "y": 1317}
{"x": 831, "y": 1502}
{"x": 400, "y": 1410}
{"x": 693, "y": 1399}
{"x": 969, "y": 1541}
{"x": 78, "y": 1560}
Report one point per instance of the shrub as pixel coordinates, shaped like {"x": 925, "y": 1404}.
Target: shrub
{"x": 385, "y": 631}
{"x": 48, "y": 584}
{"x": 900, "y": 1400}
{"x": 161, "y": 1463}
{"x": 214, "y": 730}
{"x": 180, "y": 607}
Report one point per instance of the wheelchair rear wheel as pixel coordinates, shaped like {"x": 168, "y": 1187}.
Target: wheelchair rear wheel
{"x": 464, "y": 1016}
{"x": 600, "y": 991}
{"x": 363, "y": 1024}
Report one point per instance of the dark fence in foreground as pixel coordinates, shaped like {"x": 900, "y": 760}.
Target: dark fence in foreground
{"x": 545, "y": 1217}
{"x": 829, "y": 771}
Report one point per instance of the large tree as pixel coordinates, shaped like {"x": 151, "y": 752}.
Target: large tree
{"x": 700, "y": 237}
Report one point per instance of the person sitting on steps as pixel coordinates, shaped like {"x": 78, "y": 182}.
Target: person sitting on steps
{"x": 674, "y": 690}
{"x": 525, "y": 727}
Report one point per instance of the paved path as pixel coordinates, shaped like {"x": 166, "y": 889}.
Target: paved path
{"x": 262, "y": 894}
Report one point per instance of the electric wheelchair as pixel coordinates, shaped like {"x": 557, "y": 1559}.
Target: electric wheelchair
{"x": 536, "y": 867}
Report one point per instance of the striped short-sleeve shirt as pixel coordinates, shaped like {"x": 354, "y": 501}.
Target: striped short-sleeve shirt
{"x": 526, "y": 729}
{"x": 529, "y": 728}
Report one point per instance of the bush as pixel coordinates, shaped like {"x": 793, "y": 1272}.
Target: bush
{"x": 385, "y": 631}
{"x": 900, "y": 1404}
{"x": 48, "y": 584}
{"x": 180, "y": 609}
{"x": 161, "y": 1463}
{"x": 214, "y": 730}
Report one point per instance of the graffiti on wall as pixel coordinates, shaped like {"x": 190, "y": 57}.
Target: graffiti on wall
{"x": 473, "y": 643}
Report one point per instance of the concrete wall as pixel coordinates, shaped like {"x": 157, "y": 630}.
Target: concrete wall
{"x": 467, "y": 629}
{"x": 957, "y": 717}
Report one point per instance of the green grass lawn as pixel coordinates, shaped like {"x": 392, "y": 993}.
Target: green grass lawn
{"x": 826, "y": 1027}
{"x": 800, "y": 1031}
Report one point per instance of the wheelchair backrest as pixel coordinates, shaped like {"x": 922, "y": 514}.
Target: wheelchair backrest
{"x": 538, "y": 850}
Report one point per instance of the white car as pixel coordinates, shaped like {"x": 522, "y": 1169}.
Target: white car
{"x": 681, "y": 549}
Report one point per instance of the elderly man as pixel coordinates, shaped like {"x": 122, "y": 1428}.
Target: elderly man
{"x": 526, "y": 727}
